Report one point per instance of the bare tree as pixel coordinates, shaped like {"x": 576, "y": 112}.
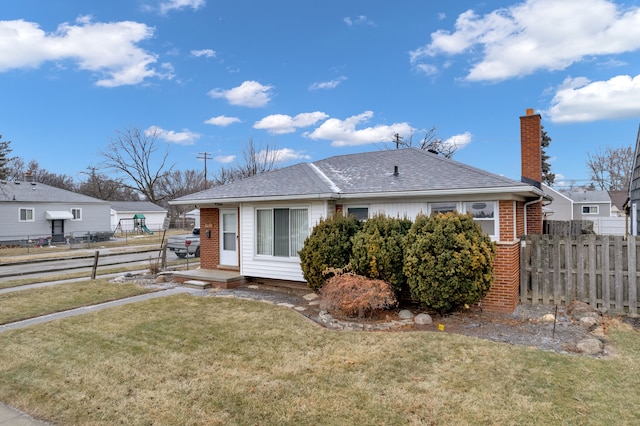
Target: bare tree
{"x": 611, "y": 170}
{"x": 133, "y": 154}
{"x": 99, "y": 185}
{"x": 179, "y": 183}
{"x": 17, "y": 171}
{"x": 430, "y": 142}
{"x": 256, "y": 160}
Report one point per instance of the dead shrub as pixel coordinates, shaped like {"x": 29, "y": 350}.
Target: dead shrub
{"x": 154, "y": 265}
{"x": 355, "y": 295}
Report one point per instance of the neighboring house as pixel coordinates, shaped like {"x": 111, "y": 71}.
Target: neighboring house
{"x": 618, "y": 198}
{"x": 634, "y": 191}
{"x": 589, "y": 204}
{"x": 561, "y": 208}
{"x": 257, "y": 225}
{"x": 123, "y": 212}
{"x": 195, "y": 215}
{"x": 34, "y": 211}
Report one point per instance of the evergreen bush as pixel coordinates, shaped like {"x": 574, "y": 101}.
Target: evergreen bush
{"x": 378, "y": 250}
{"x": 448, "y": 261}
{"x": 328, "y": 246}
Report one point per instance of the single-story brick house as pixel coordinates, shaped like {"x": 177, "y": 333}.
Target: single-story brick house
{"x": 257, "y": 225}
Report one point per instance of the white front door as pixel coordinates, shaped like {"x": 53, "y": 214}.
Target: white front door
{"x": 229, "y": 237}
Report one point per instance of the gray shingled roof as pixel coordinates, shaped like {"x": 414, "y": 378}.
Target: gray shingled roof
{"x": 33, "y": 192}
{"x": 588, "y": 196}
{"x": 364, "y": 173}
{"x": 136, "y": 206}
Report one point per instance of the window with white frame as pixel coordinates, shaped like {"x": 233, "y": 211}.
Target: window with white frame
{"x": 589, "y": 209}
{"x": 77, "y": 214}
{"x": 281, "y": 232}
{"x": 360, "y": 213}
{"x": 483, "y": 212}
{"x": 26, "y": 215}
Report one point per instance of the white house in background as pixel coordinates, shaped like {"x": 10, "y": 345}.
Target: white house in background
{"x": 123, "y": 212}
{"x": 195, "y": 215}
{"x": 560, "y": 208}
{"x": 32, "y": 211}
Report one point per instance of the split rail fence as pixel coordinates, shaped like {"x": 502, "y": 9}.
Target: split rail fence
{"x": 601, "y": 270}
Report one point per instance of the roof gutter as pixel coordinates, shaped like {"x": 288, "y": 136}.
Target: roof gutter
{"x": 507, "y": 190}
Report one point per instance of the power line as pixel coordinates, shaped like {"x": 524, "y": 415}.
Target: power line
{"x": 204, "y": 156}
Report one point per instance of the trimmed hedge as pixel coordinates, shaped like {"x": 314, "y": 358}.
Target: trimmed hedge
{"x": 378, "y": 250}
{"x": 328, "y": 246}
{"x": 448, "y": 261}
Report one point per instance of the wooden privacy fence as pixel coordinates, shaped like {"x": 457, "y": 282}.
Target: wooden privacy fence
{"x": 601, "y": 270}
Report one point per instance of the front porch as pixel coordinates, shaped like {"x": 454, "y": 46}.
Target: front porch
{"x": 207, "y": 278}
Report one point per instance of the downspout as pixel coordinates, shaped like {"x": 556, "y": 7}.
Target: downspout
{"x": 525, "y": 211}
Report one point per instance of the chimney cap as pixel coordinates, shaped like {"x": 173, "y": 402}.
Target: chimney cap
{"x": 529, "y": 111}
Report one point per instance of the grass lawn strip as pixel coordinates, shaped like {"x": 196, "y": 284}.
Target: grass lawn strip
{"x": 25, "y": 304}
{"x": 213, "y": 361}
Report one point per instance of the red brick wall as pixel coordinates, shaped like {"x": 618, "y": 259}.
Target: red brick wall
{"x": 504, "y": 294}
{"x": 530, "y": 146}
{"x": 209, "y": 247}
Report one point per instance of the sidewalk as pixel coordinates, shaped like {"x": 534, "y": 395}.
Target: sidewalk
{"x": 12, "y": 417}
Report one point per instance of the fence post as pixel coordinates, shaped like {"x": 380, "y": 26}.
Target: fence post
{"x": 95, "y": 265}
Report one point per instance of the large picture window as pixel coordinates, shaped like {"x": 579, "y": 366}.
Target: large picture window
{"x": 281, "y": 232}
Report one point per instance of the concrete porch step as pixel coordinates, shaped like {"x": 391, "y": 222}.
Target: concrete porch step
{"x": 201, "y": 285}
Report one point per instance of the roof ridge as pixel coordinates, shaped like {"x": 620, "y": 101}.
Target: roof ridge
{"x": 324, "y": 178}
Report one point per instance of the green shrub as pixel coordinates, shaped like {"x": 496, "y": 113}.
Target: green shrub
{"x": 354, "y": 295}
{"x": 448, "y": 261}
{"x": 378, "y": 250}
{"x": 328, "y": 246}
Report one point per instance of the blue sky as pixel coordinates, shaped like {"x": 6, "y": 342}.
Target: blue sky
{"x": 316, "y": 79}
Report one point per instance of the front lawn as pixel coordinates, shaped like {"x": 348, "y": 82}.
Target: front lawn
{"x": 35, "y": 302}
{"x": 212, "y": 361}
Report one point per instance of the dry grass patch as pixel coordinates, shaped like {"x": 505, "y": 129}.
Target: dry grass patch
{"x": 24, "y": 304}
{"x": 207, "y": 361}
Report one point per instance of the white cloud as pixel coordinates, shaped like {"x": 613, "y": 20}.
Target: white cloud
{"x": 225, "y": 158}
{"x": 287, "y": 154}
{"x": 169, "y": 5}
{"x": 323, "y": 85}
{"x": 222, "y": 120}
{"x": 458, "y": 141}
{"x": 580, "y": 100}
{"x": 207, "y": 53}
{"x": 358, "y": 20}
{"x": 249, "y": 93}
{"x": 184, "y": 137}
{"x": 278, "y": 124}
{"x": 536, "y": 35}
{"x": 344, "y": 132}
{"x": 108, "y": 49}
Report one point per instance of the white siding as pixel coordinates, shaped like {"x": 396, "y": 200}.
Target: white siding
{"x": 267, "y": 266}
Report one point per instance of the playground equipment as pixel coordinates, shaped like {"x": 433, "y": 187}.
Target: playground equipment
{"x": 135, "y": 224}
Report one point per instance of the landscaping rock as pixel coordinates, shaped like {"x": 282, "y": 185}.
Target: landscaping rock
{"x": 548, "y": 318}
{"x": 590, "y": 322}
{"x": 590, "y": 346}
{"x": 423, "y": 319}
{"x": 578, "y": 310}
{"x": 405, "y": 314}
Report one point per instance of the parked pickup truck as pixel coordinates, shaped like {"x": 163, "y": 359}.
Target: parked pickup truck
{"x": 177, "y": 244}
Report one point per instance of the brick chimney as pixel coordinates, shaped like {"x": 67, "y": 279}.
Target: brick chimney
{"x": 531, "y": 148}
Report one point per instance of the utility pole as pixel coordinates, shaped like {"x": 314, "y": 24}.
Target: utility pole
{"x": 204, "y": 156}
